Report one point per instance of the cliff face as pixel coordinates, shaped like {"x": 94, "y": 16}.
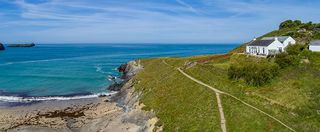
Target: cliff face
{"x": 2, "y": 46}
{"x": 128, "y": 99}
{"x": 128, "y": 71}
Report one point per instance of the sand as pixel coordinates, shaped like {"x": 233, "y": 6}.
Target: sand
{"x": 121, "y": 112}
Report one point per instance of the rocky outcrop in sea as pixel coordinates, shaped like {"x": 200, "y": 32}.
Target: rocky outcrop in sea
{"x": 22, "y": 45}
{"x": 128, "y": 70}
{"x": 2, "y": 46}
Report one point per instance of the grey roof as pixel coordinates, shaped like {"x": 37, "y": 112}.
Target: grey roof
{"x": 281, "y": 38}
{"x": 315, "y": 42}
{"x": 261, "y": 43}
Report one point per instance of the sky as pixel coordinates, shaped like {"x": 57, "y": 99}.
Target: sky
{"x": 147, "y": 21}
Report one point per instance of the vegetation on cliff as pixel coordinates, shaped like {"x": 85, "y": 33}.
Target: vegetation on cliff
{"x": 302, "y": 32}
{"x": 181, "y": 104}
{"x": 285, "y": 86}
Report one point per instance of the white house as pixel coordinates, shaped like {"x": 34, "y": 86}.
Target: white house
{"x": 314, "y": 46}
{"x": 269, "y": 45}
{"x": 285, "y": 40}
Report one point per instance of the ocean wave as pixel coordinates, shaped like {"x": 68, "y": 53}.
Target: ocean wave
{"x": 14, "y": 99}
{"x": 100, "y": 70}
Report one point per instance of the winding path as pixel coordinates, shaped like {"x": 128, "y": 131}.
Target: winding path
{"x": 236, "y": 98}
{"x": 222, "y": 119}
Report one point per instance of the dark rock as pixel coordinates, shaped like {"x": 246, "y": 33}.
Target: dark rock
{"x": 2, "y": 46}
{"x": 128, "y": 71}
{"x": 115, "y": 87}
{"x": 102, "y": 95}
{"x": 122, "y": 68}
{"x": 22, "y": 45}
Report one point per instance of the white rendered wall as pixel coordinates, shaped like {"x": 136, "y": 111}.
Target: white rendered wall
{"x": 288, "y": 41}
{"x": 314, "y": 48}
{"x": 275, "y": 45}
{"x": 257, "y": 50}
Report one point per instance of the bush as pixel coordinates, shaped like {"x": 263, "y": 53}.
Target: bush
{"x": 317, "y": 36}
{"x": 309, "y": 26}
{"x": 285, "y": 60}
{"x": 295, "y": 49}
{"x": 253, "y": 72}
{"x": 290, "y": 24}
{"x": 306, "y": 54}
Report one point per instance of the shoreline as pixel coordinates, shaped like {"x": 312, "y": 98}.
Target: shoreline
{"x": 20, "y": 100}
{"x": 119, "y": 112}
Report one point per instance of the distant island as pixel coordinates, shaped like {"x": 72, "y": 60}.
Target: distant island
{"x": 21, "y": 45}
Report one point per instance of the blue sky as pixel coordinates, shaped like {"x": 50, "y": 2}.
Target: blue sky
{"x": 147, "y": 21}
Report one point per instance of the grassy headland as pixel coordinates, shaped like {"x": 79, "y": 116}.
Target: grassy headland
{"x": 291, "y": 95}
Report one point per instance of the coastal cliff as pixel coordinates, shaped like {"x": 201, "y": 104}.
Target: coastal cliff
{"x": 128, "y": 99}
{"x": 2, "y": 46}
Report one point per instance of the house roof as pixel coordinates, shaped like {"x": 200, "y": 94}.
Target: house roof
{"x": 315, "y": 43}
{"x": 281, "y": 38}
{"x": 261, "y": 43}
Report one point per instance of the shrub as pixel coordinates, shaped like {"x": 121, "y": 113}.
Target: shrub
{"x": 290, "y": 24}
{"x": 308, "y": 26}
{"x": 295, "y": 49}
{"x": 253, "y": 72}
{"x": 285, "y": 60}
{"x": 306, "y": 54}
{"x": 317, "y": 36}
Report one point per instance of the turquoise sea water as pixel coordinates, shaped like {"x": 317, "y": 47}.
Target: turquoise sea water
{"x": 68, "y": 70}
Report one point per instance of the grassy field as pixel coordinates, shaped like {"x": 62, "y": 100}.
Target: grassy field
{"x": 183, "y": 105}
{"x": 292, "y": 96}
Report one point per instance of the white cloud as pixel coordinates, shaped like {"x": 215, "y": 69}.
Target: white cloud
{"x": 147, "y": 21}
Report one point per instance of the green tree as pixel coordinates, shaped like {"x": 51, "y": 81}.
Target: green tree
{"x": 308, "y": 26}
{"x": 290, "y": 24}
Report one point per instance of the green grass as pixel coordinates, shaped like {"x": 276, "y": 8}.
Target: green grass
{"x": 284, "y": 98}
{"x": 242, "y": 118}
{"x": 183, "y": 105}
{"x": 293, "y": 96}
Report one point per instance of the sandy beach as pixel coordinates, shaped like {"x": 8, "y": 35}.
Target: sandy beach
{"x": 96, "y": 114}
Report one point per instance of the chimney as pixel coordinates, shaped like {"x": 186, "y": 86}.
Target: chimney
{"x": 254, "y": 39}
{"x": 276, "y": 39}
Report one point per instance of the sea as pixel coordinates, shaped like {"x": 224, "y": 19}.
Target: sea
{"x": 75, "y": 71}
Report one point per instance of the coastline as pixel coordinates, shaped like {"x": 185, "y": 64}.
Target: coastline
{"x": 119, "y": 112}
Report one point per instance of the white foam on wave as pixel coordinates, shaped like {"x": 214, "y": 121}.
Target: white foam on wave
{"x": 99, "y": 69}
{"x": 61, "y": 98}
